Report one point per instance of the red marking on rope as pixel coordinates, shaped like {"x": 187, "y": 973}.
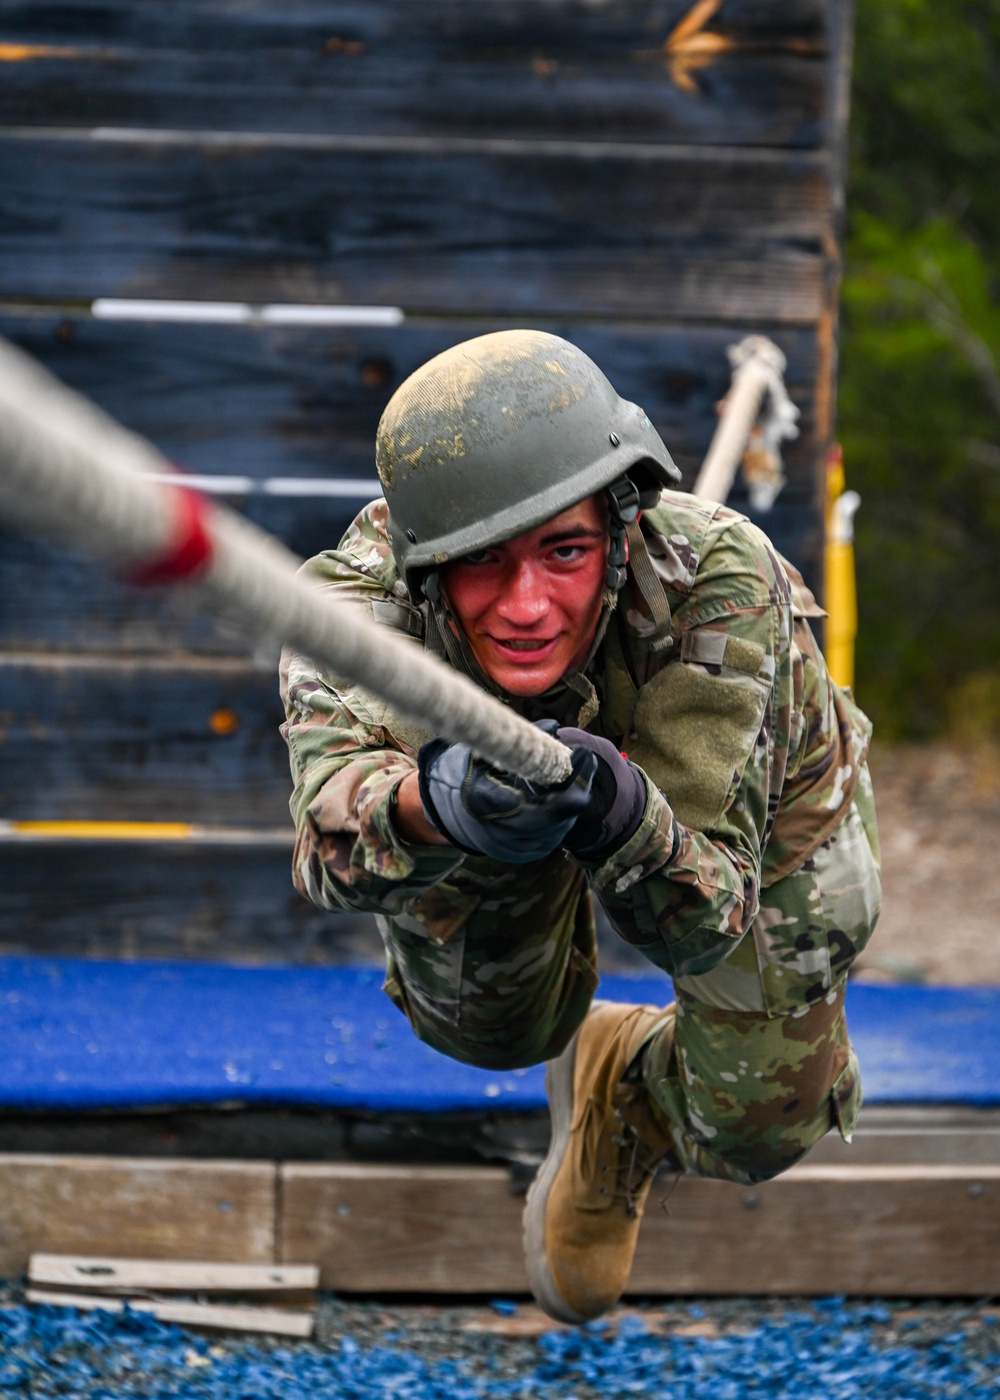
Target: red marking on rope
{"x": 189, "y": 552}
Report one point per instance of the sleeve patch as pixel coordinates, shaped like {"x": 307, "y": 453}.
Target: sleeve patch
{"x": 695, "y": 736}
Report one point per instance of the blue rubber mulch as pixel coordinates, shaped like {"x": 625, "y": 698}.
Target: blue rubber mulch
{"x": 78, "y": 1033}
{"x": 830, "y": 1350}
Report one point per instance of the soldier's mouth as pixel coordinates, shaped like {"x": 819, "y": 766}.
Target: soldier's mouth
{"x": 523, "y": 644}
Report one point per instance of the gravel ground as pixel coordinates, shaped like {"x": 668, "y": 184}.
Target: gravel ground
{"x": 723, "y": 1349}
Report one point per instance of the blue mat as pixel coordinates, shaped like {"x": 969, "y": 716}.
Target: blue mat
{"x": 77, "y": 1034}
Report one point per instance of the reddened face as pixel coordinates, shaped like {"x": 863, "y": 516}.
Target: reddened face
{"x": 529, "y": 607}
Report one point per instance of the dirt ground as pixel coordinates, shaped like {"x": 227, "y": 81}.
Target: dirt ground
{"x": 939, "y": 822}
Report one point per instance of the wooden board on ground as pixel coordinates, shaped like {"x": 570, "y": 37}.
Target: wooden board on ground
{"x": 89, "y": 1282}
{"x": 818, "y": 1230}
{"x": 280, "y": 1322}
{"x": 115, "y": 1276}
{"x": 144, "y": 1208}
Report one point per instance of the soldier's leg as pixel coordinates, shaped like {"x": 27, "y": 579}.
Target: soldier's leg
{"x": 750, "y": 1069}
{"x": 496, "y": 966}
{"x": 759, "y": 1065}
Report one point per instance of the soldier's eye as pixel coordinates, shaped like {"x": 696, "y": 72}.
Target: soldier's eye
{"x": 477, "y": 556}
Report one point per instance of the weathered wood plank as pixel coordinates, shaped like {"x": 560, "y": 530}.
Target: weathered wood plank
{"x": 919, "y": 1231}
{"x": 52, "y": 599}
{"x": 419, "y": 1239}
{"x": 216, "y": 26}
{"x": 49, "y": 598}
{"x": 267, "y": 401}
{"x": 938, "y": 1134}
{"x": 887, "y": 1135}
{"x": 100, "y": 1273}
{"x": 200, "y": 898}
{"x": 165, "y": 739}
{"x": 912, "y": 1230}
{"x": 285, "y": 1133}
{"x": 653, "y": 232}
{"x": 278, "y": 1322}
{"x": 141, "y": 1208}
{"x": 515, "y": 68}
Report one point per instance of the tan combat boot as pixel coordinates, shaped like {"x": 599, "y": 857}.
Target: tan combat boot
{"x": 581, "y": 1220}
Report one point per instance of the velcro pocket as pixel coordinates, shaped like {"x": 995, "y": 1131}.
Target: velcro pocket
{"x": 697, "y": 725}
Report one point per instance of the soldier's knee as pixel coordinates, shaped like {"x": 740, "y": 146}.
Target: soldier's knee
{"x": 775, "y": 1133}
{"x": 483, "y": 1043}
{"x": 756, "y": 1162}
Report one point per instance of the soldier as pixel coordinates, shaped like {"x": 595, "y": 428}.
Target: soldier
{"x": 719, "y": 807}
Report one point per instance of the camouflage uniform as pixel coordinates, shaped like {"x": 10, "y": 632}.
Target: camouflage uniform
{"x": 752, "y": 878}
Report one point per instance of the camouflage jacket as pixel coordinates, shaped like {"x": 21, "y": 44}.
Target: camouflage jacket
{"x": 751, "y": 753}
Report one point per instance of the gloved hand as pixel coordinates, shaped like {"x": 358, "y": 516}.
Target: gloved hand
{"x": 500, "y": 815}
{"x": 616, "y": 803}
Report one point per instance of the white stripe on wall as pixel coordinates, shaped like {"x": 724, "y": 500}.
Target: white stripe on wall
{"x": 242, "y": 313}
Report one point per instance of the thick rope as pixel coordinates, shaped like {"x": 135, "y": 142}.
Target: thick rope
{"x": 758, "y": 369}
{"x": 71, "y": 474}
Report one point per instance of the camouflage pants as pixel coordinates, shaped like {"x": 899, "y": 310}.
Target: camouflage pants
{"x": 755, "y": 1066}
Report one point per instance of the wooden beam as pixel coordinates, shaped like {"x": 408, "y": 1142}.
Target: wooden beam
{"x": 395, "y": 67}
{"x": 143, "y": 1208}
{"x": 263, "y": 401}
{"x": 911, "y": 1230}
{"x": 404, "y": 1228}
{"x": 135, "y": 738}
{"x": 219, "y": 895}
{"x": 650, "y": 232}
{"x": 50, "y": 599}
{"x": 916, "y": 1230}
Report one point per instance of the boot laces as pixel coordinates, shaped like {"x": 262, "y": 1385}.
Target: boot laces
{"x": 636, "y": 1164}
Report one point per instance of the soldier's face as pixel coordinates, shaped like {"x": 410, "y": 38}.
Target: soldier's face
{"x": 529, "y": 607}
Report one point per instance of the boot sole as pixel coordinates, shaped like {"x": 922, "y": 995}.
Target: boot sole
{"x": 559, "y": 1088}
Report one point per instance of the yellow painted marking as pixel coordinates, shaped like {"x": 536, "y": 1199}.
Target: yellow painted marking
{"x": 18, "y": 53}
{"x": 109, "y": 831}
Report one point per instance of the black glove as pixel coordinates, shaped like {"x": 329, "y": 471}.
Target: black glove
{"x": 616, "y": 803}
{"x": 500, "y": 815}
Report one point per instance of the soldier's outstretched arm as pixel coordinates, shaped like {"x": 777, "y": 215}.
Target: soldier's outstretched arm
{"x": 348, "y": 765}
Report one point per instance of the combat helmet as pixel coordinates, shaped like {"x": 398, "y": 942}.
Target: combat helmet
{"x": 499, "y": 434}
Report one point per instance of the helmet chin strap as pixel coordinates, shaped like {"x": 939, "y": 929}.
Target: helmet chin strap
{"x": 628, "y": 552}
{"x": 623, "y": 510}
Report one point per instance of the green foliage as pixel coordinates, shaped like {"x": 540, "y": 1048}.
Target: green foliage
{"x": 920, "y": 371}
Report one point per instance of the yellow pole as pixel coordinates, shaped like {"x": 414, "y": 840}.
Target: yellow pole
{"x": 841, "y": 599}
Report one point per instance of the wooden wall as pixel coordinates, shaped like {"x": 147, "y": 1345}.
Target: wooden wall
{"x": 651, "y": 179}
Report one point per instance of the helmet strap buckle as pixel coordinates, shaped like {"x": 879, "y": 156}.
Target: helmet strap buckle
{"x": 623, "y": 511}
{"x": 623, "y": 500}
